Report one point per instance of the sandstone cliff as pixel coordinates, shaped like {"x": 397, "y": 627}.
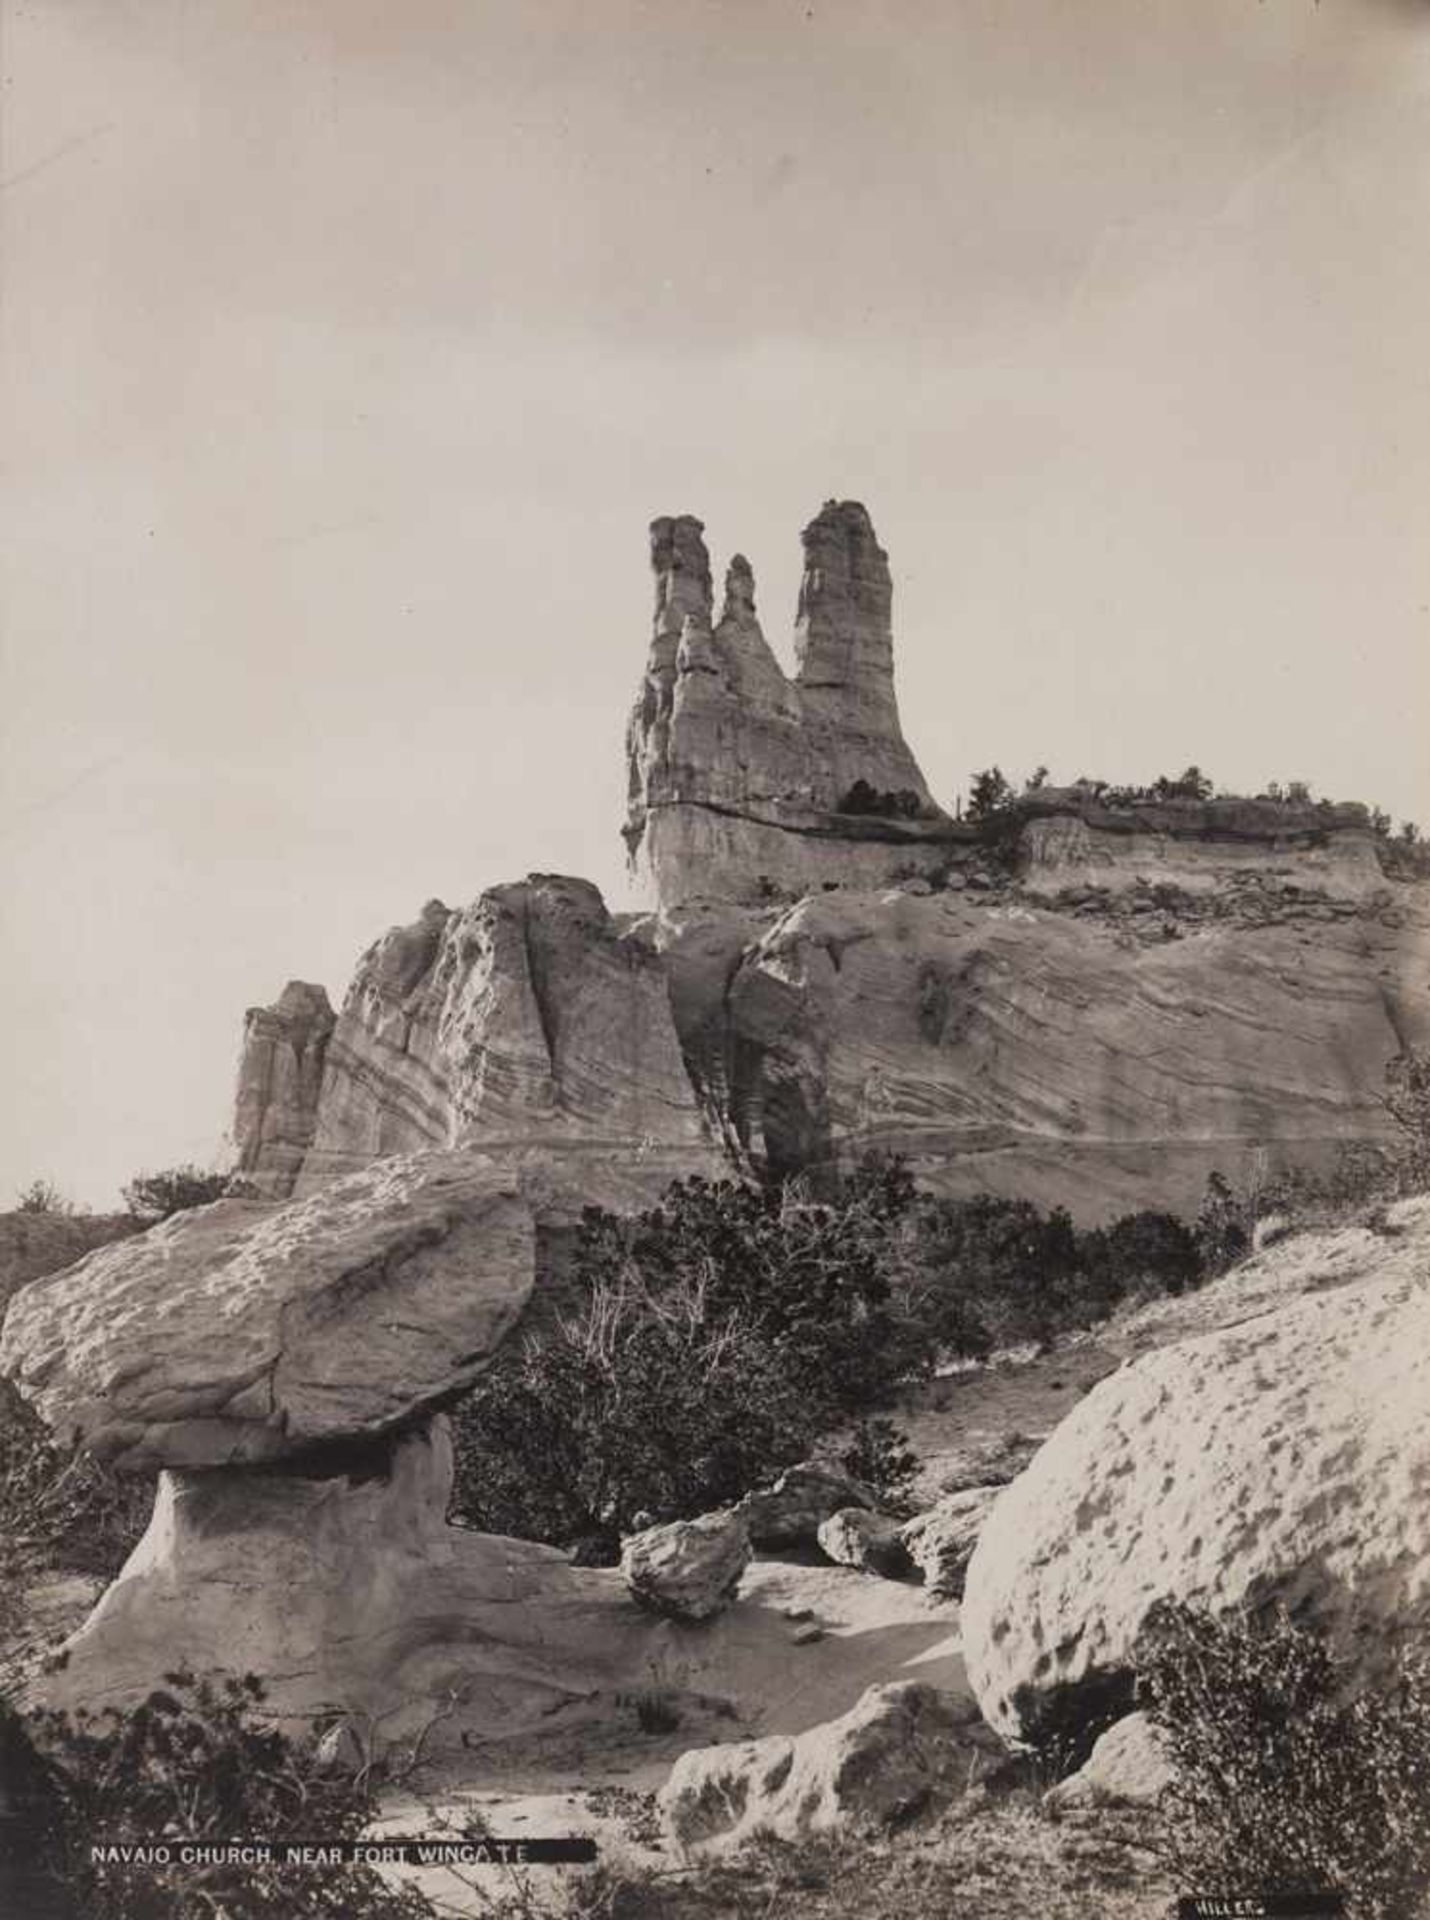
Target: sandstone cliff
{"x": 1087, "y": 1000}
{"x": 528, "y": 1019}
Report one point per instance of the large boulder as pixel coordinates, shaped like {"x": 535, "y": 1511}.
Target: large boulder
{"x": 900, "y": 1755}
{"x": 1284, "y": 1459}
{"x": 246, "y": 1331}
{"x": 940, "y": 1542}
{"x": 687, "y": 1569}
{"x": 790, "y": 1512}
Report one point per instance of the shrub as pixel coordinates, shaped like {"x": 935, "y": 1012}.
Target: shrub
{"x": 1141, "y": 1249}
{"x": 60, "y": 1506}
{"x": 152, "y": 1197}
{"x": 42, "y": 1196}
{"x": 194, "y": 1762}
{"x": 878, "y": 1454}
{"x": 1007, "y": 1269}
{"x": 989, "y": 793}
{"x": 1284, "y": 1783}
{"x": 714, "y": 1339}
{"x": 1224, "y": 1225}
{"x": 637, "y": 1403}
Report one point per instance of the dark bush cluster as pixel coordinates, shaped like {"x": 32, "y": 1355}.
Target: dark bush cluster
{"x": 900, "y": 804}
{"x": 195, "y": 1762}
{"x": 734, "y": 1329}
{"x": 59, "y": 1506}
{"x": 1287, "y": 1782}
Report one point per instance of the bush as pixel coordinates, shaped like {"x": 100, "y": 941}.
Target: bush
{"x": 42, "y": 1196}
{"x": 1144, "y": 1249}
{"x": 878, "y": 1454}
{"x": 637, "y": 1404}
{"x": 60, "y": 1507}
{"x": 195, "y": 1762}
{"x": 715, "y": 1338}
{"x": 152, "y": 1197}
{"x": 1284, "y": 1784}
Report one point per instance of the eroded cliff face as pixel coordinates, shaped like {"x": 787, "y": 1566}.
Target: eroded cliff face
{"x": 1088, "y": 1001}
{"x": 527, "y": 1020}
{"x": 739, "y": 777}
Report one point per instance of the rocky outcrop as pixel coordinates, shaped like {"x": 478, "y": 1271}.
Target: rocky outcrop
{"x": 790, "y": 1512}
{"x": 743, "y": 782}
{"x": 940, "y": 1542}
{"x": 1284, "y": 1459}
{"x": 250, "y": 1332}
{"x": 898, "y": 1757}
{"x": 1009, "y": 1047}
{"x": 280, "y": 1074}
{"x": 527, "y": 1021}
{"x": 687, "y": 1569}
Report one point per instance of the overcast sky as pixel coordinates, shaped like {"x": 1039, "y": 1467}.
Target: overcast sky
{"x": 349, "y": 347}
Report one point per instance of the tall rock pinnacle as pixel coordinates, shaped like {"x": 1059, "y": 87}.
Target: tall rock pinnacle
{"x": 738, "y": 774}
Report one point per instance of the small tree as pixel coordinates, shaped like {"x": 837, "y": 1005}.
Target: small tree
{"x": 152, "y": 1197}
{"x": 989, "y": 794}
{"x": 43, "y": 1196}
{"x": 1286, "y": 1782}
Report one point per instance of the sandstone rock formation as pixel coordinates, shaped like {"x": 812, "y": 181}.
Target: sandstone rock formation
{"x": 1128, "y": 1766}
{"x": 1281, "y": 1460}
{"x": 279, "y": 1077}
{"x": 687, "y": 1569}
{"x": 1078, "y": 1002}
{"x": 741, "y": 779}
{"x": 790, "y": 1512}
{"x": 903, "y": 1753}
{"x": 855, "y": 1537}
{"x": 244, "y": 1331}
{"x": 940, "y": 1542}
{"x": 1006, "y": 1046}
{"x": 528, "y": 1020}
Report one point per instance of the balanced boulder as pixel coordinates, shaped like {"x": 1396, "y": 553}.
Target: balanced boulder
{"x": 247, "y": 1331}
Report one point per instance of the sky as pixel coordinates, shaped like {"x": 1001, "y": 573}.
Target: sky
{"x": 347, "y": 350}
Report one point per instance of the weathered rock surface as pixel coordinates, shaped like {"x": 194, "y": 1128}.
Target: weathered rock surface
{"x": 940, "y": 1542}
{"x": 740, "y": 778}
{"x": 903, "y": 1753}
{"x": 344, "y": 1589}
{"x": 1128, "y": 1766}
{"x": 1010, "y": 1048}
{"x": 855, "y": 1537}
{"x": 246, "y": 1331}
{"x": 528, "y": 1020}
{"x": 790, "y": 1512}
{"x": 687, "y": 1569}
{"x": 280, "y": 1074}
{"x": 1284, "y": 1459}
{"x": 1081, "y": 1003}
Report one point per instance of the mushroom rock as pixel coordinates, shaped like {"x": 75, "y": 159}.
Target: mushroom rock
{"x": 247, "y": 1331}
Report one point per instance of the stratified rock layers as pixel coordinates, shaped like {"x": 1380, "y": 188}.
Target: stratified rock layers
{"x": 739, "y": 778}
{"x": 280, "y": 1077}
{"x": 526, "y": 1021}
